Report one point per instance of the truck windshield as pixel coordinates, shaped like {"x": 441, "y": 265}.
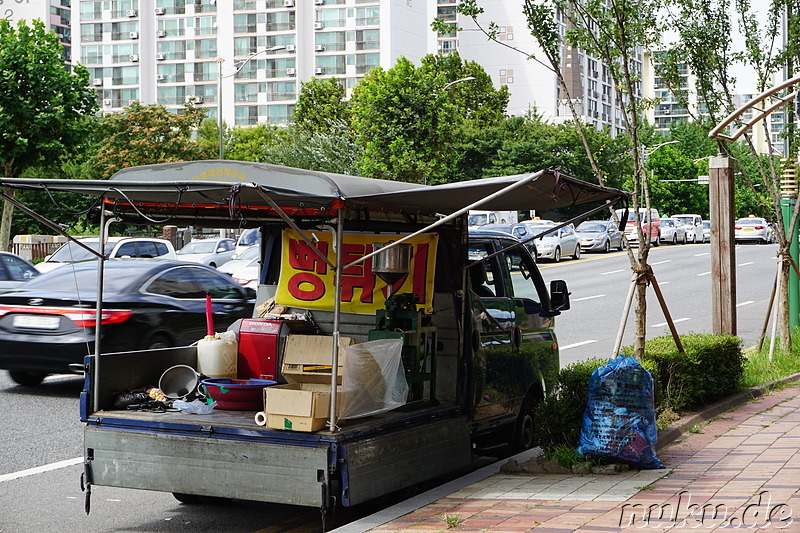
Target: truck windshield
{"x": 478, "y": 220}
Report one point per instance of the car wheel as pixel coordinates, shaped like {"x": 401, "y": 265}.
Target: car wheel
{"x": 188, "y": 499}
{"x": 557, "y": 255}
{"x": 685, "y": 239}
{"x": 158, "y": 341}
{"x": 607, "y": 247}
{"x": 27, "y": 379}
{"x": 619, "y": 247}
{"x": 658, "y": 241}
{"x": 675, "y": 239}
{"x": 577, "y": 254}
{"x": 523, "y": 432}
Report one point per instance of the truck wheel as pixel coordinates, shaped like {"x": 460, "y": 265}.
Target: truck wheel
{"x": 27, "y": 379}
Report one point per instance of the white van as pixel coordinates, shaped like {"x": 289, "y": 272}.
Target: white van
{"x": 694, "y": 227}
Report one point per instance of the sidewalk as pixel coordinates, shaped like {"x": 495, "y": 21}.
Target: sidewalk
{"x": 739, "y": 470}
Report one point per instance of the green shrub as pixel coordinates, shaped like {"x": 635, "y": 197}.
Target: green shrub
{"x": 710, "y": 368}
{"x": 559, "y": 416}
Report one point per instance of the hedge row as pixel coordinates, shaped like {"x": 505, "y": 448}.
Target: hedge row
{"x": 710, "y": 368}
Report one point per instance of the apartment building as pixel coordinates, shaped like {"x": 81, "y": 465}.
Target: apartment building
{"x": 54, "y": 13}
{"x": 247, "y": 55}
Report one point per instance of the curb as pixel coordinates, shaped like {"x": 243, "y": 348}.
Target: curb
{"x": 671, "y": 433}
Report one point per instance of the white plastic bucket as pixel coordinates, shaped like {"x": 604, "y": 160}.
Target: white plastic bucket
{"x": 216, "y": 358}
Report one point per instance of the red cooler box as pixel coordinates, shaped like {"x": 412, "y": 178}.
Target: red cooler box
{"x": 260, "y": 346}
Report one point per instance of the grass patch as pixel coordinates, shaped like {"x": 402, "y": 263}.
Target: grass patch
{"x": 758, "y": 369}
{"x": 452, "y": 520}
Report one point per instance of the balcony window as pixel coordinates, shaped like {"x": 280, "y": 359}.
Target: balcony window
{"x": 368, "y": 39}
{"x": 205, "y": 6}
{"x": 125, "y": 75}
{"x": 246, "y": 4}
{"x": 332, "y": 18}
{"x": 171, "y": 27}
{"x": 244, "y": 46}
{"x": 171, "y": 72}
{"x": 172, "y": 49}
{"x": 279, "y": 114}
{"x": 205, "y": 25}
{"x": 172, "y": 7}
{"x": 365, "y": 62}
{"x": 91, "y": 33}
{"x": 123, "y": 97}
{"x": 246, "y": 92}
{"x": 331, "y": 65}
{"x": 171, "y": 95}
{"x": 368, "y": 16}
{"x": 205, "y": 71}
{"x": 121, "y": 31}
{"x": 331, "y": 41}
{"x": 280, "y": 21}
{"x": 121, "y": 53}
{"x": 246, "y": 115}
{"x": 205, "y": 48}
{"x": 91, "y": 10}
{"x": 121, "y": 8}
{"x": 92, "y": 55}
{"x": 281, "y": 90}
{"x": 245, "y": 23}
{"x": 207, "y": 92}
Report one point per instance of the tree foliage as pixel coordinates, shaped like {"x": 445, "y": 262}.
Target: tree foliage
{"x": 144, "y": 135}
{"x": 43, "y": 107}
{"x": 320, "y": 104}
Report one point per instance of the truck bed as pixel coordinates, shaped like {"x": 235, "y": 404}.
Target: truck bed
{"x": 227, "y": 454}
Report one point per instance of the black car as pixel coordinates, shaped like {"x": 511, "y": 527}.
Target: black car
{"x": 49, "y": 323}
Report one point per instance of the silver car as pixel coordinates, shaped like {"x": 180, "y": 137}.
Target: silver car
{"x": 557, "y": 244}
{"x": 211, "y": 252}
{"x": 599, "y": 236}
{"x": 673, "y": 231}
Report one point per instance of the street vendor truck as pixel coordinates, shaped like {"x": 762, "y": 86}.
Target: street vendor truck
{"x": 476, "y": 299}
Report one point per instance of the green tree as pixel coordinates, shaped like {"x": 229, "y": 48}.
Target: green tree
{"x": 673, "y": 183}
{"x": 249, "y": 144}
{"x": 333, "y": 149}
{"x": 43, "y": 107}
{"x": 321, "y": 103}
{"x": 406, "y": 118}
{"x": 144, "y": 135}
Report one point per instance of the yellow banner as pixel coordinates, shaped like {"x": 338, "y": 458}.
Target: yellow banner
{"x": 307, "y": 281}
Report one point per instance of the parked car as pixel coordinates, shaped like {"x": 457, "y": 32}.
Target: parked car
{"x": 753, "y": 229}
{"x": 559, "y": 243}
{"x": 520, "y": 231}
{"x": 48, "y": 323}
{"x": 244, "y": 259}
{"x": 15, "y": 271}
{"x": 706, "y": 231}
{"x": 650, "y": 221}
{"x": 599, "y": 236}
{"x": 211, "y": 252}
{"x": 116, "y": 247}
{"x": 249, "y": 237}
{"x": 537, "y": 226}
{"x": 693, "y": 225}
{"x": 673, "y": 231}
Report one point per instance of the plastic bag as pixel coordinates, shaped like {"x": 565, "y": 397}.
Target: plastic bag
{"x": 373, "y": 378}
{"x": 620, "y": 420}
{"x": 196, "y": 407}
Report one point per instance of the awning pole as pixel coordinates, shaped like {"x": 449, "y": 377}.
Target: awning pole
{"x": 99, "y": 309}
{"x": 337, "y": 311}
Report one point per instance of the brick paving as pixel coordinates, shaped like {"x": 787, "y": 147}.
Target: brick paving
{"x": 741, "y": 470}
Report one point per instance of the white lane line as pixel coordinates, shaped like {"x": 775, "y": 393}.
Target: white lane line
{"x": 575, "y": 345}
{"x": 613, "y": 271}
{"x": 661, "y": 325}
{"x": 41, "y": 469}
{"x": 589, "y": 297}
{"x": 745, "y": 264}
{"x": 662, "y": 262}
{"x": 701, "y": 255}
{"x": 704, "y": 273}
{"x": 748, "y": 302}
{"x": 663, "y": 282}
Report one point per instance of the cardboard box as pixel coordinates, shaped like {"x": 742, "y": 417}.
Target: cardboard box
{"x": 297, "y": 406}
{"x": 304, "y": 403}
{"x": 307, "y": 358}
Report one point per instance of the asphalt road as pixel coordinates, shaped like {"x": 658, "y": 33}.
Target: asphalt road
{"x": 41, "y": 441}
{"x": 599, "y": 283}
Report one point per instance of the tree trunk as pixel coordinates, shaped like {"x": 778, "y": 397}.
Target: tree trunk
{"x": 640, "y": 317}
{"x": 5, "y": 223}
{"x": 784, "y": 330}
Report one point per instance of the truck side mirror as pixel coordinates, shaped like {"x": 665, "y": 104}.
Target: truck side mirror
{"x": 559, "y": 295}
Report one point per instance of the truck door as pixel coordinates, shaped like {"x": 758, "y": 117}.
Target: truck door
{"x": 519, "y": 351}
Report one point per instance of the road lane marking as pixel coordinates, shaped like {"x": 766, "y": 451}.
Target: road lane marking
{"x": 575, "y": 345}
{"x": 614, "y": 271}
{"x": 41, "y": 469}
{"x": 589, "y": 297}
{"x": 704, "y": 273}
{"x": 663, "y": 282}
{"x": 701, "y": 255}
{"x": 674, "y": 322}
{"x": 745, "y": 264}
{"x": 661, "y": 262}
{"x": 748, "y": 302}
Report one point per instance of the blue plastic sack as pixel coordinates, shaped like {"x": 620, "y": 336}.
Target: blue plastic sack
{"x": 620, "y": 420}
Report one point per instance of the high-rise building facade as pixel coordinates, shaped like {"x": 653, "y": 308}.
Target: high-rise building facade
{"x": 55, "y": 14}
{"x": 252, "y": 54}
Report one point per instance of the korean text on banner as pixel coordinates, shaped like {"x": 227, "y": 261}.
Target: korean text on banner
{"x": 307, "y": 281}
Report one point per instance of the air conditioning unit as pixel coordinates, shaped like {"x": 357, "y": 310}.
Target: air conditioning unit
{"x": 288, "y": 3}
{"x": 161, "y": 33}
{"x": 133, "y": 35}
{"x": 160, "y": 56}
{"x": 133, "y": 57}
{"x": 107, "y": 101}
{"x": 198, "y": 99}
{"x": 160, "y": 11}
{"x": 160, "y": 77}
{"x": 319, "y": 70}
{"x": 291, "y": 72}
{"x": 318, "y": 25}
{"x": 319, "y": 2}
{"x": 319, "y": 47}
{"x": 290, "y": 48}
{"x": 131, "y": 13}
{"x": 97, "y": 81}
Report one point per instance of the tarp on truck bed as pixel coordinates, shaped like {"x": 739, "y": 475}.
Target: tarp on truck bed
{"x": 214, "y": 190}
